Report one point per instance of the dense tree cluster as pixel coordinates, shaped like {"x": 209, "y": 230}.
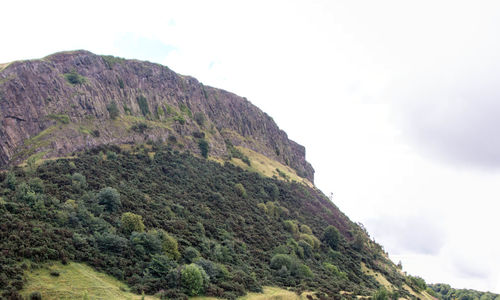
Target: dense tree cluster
{"x": 177, "y": 225}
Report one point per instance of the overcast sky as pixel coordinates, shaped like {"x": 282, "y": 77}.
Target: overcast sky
{"x": 397, "y": 102}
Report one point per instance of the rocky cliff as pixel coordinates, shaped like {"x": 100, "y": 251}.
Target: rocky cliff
{"x": 74, "y": 100}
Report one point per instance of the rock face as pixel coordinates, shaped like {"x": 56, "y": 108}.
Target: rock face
{"x": 70, "y": 101}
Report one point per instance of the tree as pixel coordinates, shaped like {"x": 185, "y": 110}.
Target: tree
{"x": 169, "y": 245}
{"x": 331, "y": 236}
{"x": 204, "y": 147}
{"x": 194, "y": 279}
{"x": 190, "y": 254}
{"x": 280, "y": 260}
{"x": 110, "y": 198}
{"x": 132, "y": 222}
{"x": 240, "y": 190}
{"x": 113, "y": 110}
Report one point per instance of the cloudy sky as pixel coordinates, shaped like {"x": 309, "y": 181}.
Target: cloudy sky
{"x": 397, "y": 102}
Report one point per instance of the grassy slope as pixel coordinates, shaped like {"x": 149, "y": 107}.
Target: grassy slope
{"x": 74, "y": 281}
{"x": 269, "y": 293}
{"x": 266, "y": 166}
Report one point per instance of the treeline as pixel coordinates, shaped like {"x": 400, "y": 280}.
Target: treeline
{"x": 446, "y": 292}
{"x": 175, "y": 225}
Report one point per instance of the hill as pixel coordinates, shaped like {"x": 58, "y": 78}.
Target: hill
{"x": 173, "y": 188}
{"x": 70, "y": 101}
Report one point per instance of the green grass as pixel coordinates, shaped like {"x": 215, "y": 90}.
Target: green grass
{"x": 75, "y": 280}
{"x": 266, "y": 166}
{"x": 270, "y": 293}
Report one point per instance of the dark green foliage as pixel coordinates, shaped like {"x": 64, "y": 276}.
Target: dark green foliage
{"x": 143, "y": 105}
{"x": 71, "y": 210}
{"x": 190, "y": 254}
{"x": 381, "y": 294}
{"x": 139, "y": 127}
{"x": 446, "y": 292}
{"x": 35, "y": 296}
{"x": 331, "y": 237}
{"x": 120, "y": 83}
{"x": 74, "y": 78}
{"x": 113, "y": 110}
{"x": 199, "y": 117}
{"x": 204, "y": 147}
{"x": 110, "y": 198}
{"x": 280, "y": 260}
{"x": 417, "y": 283}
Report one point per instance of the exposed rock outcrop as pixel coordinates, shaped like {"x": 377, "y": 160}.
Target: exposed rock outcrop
{"x": 74, "y": 100}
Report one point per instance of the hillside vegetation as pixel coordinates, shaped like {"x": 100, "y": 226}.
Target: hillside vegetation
{"x": 175, "y": 225}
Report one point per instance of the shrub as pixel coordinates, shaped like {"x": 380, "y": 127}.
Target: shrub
{"x": 199, "y": 117}
{"x": 204, "y": 147}
{"x": 381, "y": 294}
{"x": 301, "y": 270}
{"x": 310, "y": 239}
{"x": 240, "y": 190}
{"x": 194, "y": 279}
{"x": 161, "y": 265}
{"x": 146, "y": 243}
{"x": 143, "y": 105}
{"x": 110, "y": 198}
{"x": 180, "y": 119}
{"x": 113, "y": 110}
{"x": 305, "y": 229}
{"x": 169, "y": 245}
{"x": 331, "y": 236}
{"x": 139, "y": 127}
{"x": 280, "y": 260}
{"x": 74, "y": 78}
{"x": 307, "y": 249}
{"x": 291, "y": 226}
{"x": 11, "y": 181}
{"x": 132, "y": 222}
{"x": 35, "y": 296}
{"x": 190, "y": 254}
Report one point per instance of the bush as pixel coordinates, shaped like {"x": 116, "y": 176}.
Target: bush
{"x": 280, "y": 260}
{"x": 35, "y": 296}
{"x": 311, "y": 240}
{"x": 199, "y": 117}
{"x": 305, "y": 229}
{"x": 331, "y": 236}
{"x": 291, "y": 226}
{"x": 110, "y": 198}
{"x": 240, "y": 190}
{"x": 190, "y": 254}
{"x": 74, "y": 78}
{"x": 194, "y": 279}
{"x": 301, "y": 271}
{"x": 132, "y": 222}
{"x": 204, "y": 147}
{"x": 169, "y": 245}
{"x": 143, "y": 105}
{"x": 381, "y": 294}
{"x": 161, "y": 265}
{"x": 113, "y": 110}
{"x": 139, "y": 127}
